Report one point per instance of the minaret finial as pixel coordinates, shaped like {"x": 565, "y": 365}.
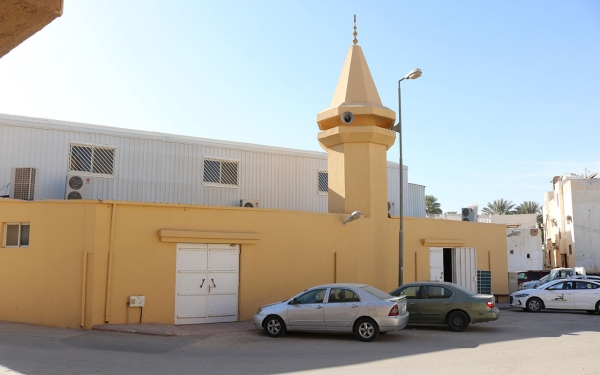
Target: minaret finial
{"x": 355, "y": 41}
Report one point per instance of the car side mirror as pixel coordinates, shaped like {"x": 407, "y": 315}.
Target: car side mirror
{"x": 294, "y": 301}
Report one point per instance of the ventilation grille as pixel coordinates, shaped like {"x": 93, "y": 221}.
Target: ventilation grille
{"x": 484, "y": 282}
{"x": 221, "y": 172}
{"x": 24, "y": 184}
{"x": 323, "y": 182}
{"x": 92, "y": 159}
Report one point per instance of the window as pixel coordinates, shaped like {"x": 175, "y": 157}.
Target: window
{"x": 92, "y": 159}
{"x": 528, "y": 256}
{"x": 410, "y": 292}
{"x": 313, "y": 296}
{"x": 570, "y": 250}
{"x": 221, "y": 172}
{"x": 435, "y": 292}
{"x": 512, "y": 251}
{"x": 16, "y": 235}
{"x": 323, "y": 182}
{"x": 342, "y": 295}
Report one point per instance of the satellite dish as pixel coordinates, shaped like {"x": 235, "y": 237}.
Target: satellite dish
{"x": 593, "y": 175}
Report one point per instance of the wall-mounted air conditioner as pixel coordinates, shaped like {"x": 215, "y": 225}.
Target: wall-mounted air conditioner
{"x": 468, "y": 214}
{"x": 249, "y": 203}
{"x": 23, "y": 183}
{"x": 79, "y": 187}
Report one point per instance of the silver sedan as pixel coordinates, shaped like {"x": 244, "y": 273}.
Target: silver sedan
{"x": 357, "y": 308}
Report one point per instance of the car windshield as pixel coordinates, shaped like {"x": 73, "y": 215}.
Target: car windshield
{"x": 376, "y": 292}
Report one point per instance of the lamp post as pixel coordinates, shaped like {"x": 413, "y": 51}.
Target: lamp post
{"x": 413, "y": 74}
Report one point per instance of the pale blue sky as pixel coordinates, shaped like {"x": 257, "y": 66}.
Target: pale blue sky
{"x": 509, "y": 97}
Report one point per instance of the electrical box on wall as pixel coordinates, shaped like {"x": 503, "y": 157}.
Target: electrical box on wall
{"x": 137, "y": 301}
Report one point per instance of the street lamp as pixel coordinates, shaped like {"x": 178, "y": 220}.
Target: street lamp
{"x": 413, "y": 74}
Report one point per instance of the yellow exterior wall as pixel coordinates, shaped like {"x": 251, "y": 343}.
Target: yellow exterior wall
{"x": 282, "y": 253}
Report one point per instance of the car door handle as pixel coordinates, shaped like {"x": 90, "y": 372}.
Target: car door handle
{"x": 353, "y": 306}
{"x": 412, "y": 303}
{"x": 446, "y": 303}
{"x": 319, "y": 307}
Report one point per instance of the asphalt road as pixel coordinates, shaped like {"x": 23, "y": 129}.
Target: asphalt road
{"x": 518, "y": 343}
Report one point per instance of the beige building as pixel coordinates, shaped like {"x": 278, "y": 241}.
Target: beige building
{"x": 73, "y": 263}
{"x": 572, "y": 223}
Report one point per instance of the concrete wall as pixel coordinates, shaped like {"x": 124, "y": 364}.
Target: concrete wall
{"x": 524, "y": 250}
{"x": 282, "y": 253}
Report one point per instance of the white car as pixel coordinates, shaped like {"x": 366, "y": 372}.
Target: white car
{"x": 357, "y": 308}
{"x": 569, "y": 294}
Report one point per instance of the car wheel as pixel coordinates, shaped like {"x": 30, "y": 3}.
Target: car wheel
{"x": 366, "y": 329}
{"x": 274, "y": 326}
{"x": 458, "y": 321}
{"x": 598, "y": 307}
{"x": 534, "y": 305}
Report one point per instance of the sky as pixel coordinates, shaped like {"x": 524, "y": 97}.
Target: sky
{"x": 509, "y": 97}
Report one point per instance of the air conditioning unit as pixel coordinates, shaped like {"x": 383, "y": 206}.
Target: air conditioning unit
{"x": 249, "y": 203}
{"x": 23, "y": 183}
{"x": 79, "y": 187}
{"x": 468, "y": 214}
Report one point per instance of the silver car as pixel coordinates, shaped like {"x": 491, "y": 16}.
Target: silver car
{"x": 357, "y": 308}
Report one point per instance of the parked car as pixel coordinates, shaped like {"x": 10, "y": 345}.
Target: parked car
{"x": 571, "y": 294}
{"x": 358, "y": 308}
{"x": 556, "y": 274}
{"x": 446, "y": 303}
{"x": 530, "y": 275}
{"x": 533, "y": 284}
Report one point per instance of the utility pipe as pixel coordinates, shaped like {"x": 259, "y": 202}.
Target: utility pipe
{"x": 83, "y": 286}
{"x": 110, "y": 256}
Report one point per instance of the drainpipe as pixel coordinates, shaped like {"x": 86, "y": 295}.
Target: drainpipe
{"x": 83, "y": 284}
{"x": 110, "y": 256}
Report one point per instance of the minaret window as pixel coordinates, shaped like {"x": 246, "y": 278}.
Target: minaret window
{"x": 323, "y": 182}
{"x": 221, "y": 172}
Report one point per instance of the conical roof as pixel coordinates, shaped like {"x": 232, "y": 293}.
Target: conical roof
{"x": 355, "y": 84}
{"x": 356, "y": 93}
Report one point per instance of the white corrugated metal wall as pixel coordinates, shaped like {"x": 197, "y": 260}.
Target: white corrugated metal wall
{"x": 154, "y": 167}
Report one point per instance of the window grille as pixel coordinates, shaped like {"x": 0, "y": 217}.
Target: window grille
{"x": 16, "y": 235}
{"x": 323, "y": 182}
{"x": 221, "y": 172}
{"x": 92, "y": 159}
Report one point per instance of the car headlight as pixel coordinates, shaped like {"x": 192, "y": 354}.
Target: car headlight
{"x": 259, "y": 311}
{"x": 521, "y": 295}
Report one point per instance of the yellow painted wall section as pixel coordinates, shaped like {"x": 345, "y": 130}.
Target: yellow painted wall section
{"x": 41, "y": 283}
{"x": 292, "y": 251}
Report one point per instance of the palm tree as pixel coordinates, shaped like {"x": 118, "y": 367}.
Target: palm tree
{"x": 528, "y": 207}
{"x": 499, "y": 207}
{"x": 431, "y": 205}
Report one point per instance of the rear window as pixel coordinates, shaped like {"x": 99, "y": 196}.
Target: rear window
{"x": 466, "y": 291}
{"x": 376, "y": 292}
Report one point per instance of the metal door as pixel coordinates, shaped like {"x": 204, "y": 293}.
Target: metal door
{"x": 464, "y": 264}
{"x": 436, "y": 263}
{"x": 191, "y": 287}
{"x": 223, "y": 283}
{"x": 207, "y": 283}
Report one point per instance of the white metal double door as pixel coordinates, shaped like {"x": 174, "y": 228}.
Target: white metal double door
{"x": 207, "y": 283}
{"x": 464, "y": 266}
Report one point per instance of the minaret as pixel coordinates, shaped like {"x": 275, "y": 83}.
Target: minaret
{"x": 355, "y": 133}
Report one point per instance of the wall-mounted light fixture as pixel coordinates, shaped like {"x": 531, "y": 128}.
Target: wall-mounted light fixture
{"x": 353, "y": 216}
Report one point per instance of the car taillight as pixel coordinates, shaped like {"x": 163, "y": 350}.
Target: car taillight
{"x": 394, "y": 311}
{"x": 490, "y": 304}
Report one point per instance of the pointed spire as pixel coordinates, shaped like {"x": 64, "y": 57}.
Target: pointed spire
{"x": 355, "y": 41}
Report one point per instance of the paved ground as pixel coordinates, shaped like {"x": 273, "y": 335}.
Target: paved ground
{"x": 519, "y": 342}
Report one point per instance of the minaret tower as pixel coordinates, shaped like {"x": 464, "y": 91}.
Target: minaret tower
{"x": 355, "y": 133}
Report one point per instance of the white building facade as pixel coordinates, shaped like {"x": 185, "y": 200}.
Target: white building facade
{"x": 572, "y": 223}
{"x": 139, "y": 166}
